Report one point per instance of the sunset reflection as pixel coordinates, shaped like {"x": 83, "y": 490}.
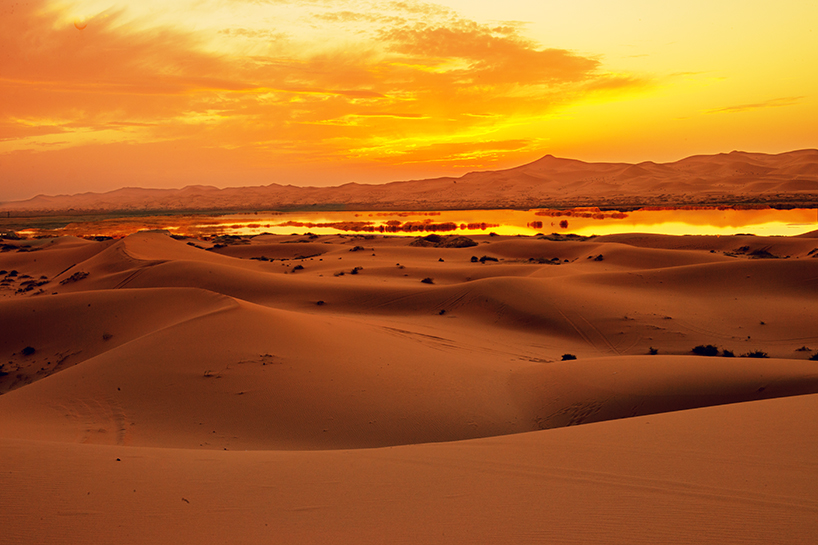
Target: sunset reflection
{"x": 580, "y": 221}
{"x": 583, "y": 221}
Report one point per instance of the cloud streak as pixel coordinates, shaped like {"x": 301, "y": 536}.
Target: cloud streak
{"x": 772, "y": 103}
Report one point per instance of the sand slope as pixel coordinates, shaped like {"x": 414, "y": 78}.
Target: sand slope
{"x": 734, "y": 474}
{"x": 373, "y": 406}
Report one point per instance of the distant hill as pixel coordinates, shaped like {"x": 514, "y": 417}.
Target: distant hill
{"x": 786, "y": 179}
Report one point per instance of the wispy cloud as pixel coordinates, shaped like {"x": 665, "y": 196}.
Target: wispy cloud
{"x": 772, "y": 103}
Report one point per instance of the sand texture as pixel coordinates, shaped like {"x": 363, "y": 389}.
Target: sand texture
{"x": 785, "y": 179}
{"x": 361, "y": 389}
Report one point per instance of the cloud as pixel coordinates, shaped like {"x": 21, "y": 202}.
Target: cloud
{"x": 772, "y": 103}
{"x": 492, "y": 55}
{"x": 380, "y": 81}
{"x": 473, "y": 153}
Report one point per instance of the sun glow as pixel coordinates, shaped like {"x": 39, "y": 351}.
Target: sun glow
{"x": 426, "y": 89}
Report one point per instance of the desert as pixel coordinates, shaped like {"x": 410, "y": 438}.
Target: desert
{"x": 414, "y": 272}
{"x": 436, "y": 389}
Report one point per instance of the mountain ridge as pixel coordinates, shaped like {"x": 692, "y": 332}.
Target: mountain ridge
{"x": 784, "y": 179}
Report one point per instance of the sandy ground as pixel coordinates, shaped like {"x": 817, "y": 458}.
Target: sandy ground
{"x": 307, "y": 389}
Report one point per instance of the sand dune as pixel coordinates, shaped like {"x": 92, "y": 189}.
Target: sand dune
{"x": 161, "y": 388}
{"x": 550, "y": 182}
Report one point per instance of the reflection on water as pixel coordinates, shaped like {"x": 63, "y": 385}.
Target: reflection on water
{"x": 580, "y": 221}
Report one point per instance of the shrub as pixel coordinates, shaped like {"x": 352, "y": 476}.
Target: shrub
{"x": 728, "y": 353}
{"x": 76, "y": 277}
{"x": 755, "y": 354}
{"x": 428, "y": 280}
{"x": 566, "y": 357}
{"x": 708, "y": 350}
{"x": 814, "y": 357}
{"x": 28, "y": 350}
{"x": 653, "y": 351}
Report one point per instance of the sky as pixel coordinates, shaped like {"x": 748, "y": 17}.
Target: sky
{"x": 98, "y": 94}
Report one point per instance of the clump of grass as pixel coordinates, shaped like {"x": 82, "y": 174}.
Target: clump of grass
{"x": 755, "y": 354}
{"x": 566, "y": 357}
{"x": 709, "y": 350}
{"x": 76, "y": 277}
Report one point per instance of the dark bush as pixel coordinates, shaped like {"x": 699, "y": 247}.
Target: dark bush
{"x": 76, "y": 277}
{"x": 428, "y": 280}
{"x": 728, "y": 353}
{"x": 298, "y": 268}
{"x": 653, "y": 351}
{"x": 566, "y": 357}
{"x": 457, "y": 242}
{"x": 708, "y": 350}
{"x": 814, "y": 357}
{"x": 755, "y": 354}
{"x": 28, "y": 350}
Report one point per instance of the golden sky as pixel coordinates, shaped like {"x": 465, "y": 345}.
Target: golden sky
{"x": 100, "y": 94}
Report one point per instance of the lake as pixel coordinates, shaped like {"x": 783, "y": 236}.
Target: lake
{"x": 579, "y": 221}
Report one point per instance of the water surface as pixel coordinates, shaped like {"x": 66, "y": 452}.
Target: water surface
{"x": 582, "y": 221}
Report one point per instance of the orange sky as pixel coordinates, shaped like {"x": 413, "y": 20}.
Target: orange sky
{"x": 96, "y": 94}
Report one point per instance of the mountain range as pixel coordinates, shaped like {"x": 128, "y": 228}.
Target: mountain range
{"x": 784, "y": 180}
